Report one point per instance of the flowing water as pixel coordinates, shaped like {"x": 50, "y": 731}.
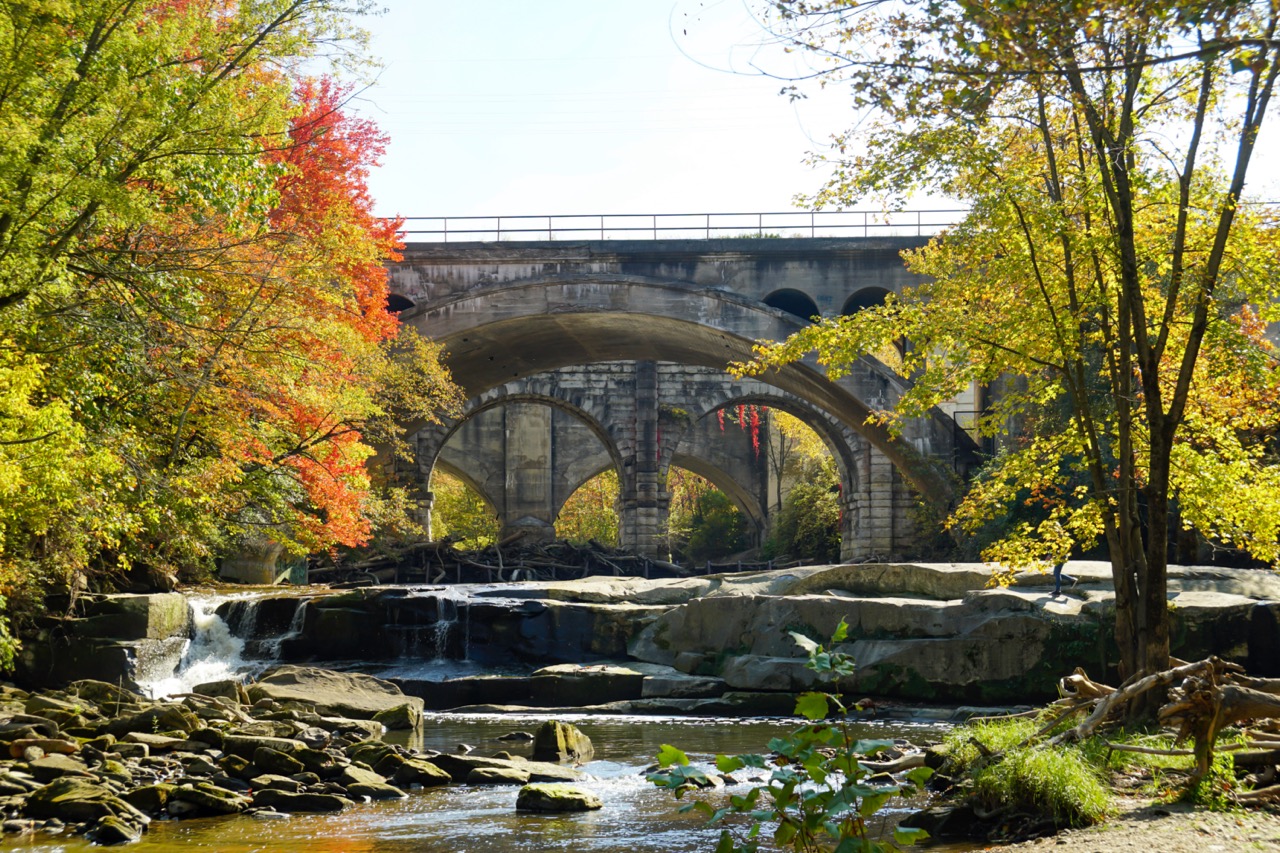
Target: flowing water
{"x": 214, "y": 652}
{"x": 636, "y": 818}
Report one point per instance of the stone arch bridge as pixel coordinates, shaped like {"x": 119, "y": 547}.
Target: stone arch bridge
{"x": 576, "y": 357}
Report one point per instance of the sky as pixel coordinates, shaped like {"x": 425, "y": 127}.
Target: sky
{"x": 514, "y": 107}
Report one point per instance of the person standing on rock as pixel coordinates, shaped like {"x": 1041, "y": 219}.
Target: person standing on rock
{"x": 1058, "y": 576}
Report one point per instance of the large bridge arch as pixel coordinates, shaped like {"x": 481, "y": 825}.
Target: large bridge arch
{"x": 606, "y": 427}
{"x": 497, "y": 334}
{"x": 513, "y": 312}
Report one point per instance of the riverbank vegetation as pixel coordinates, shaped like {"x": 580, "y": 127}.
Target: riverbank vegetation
{"x": 1113, "y": 279}
{"x": 195, "y": 351}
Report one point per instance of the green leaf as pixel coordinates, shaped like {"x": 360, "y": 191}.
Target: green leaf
{"x": 909, "y": 834}
{"x": 812, "y": 706}
{"x": 872, "y": 748}
{"x": 706, "y": 809}
{"x": 729, "y": 763}
{"x": 804, "y": 642}
{"x": 841, "y": 633}
{"x": 870, "y": 805}
{"x": 725, "y": 844}
{"x": 919, "y": 775}
{"x": 669, "y": 755}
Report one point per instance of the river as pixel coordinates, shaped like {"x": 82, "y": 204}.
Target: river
{"x": 636, "y": 818}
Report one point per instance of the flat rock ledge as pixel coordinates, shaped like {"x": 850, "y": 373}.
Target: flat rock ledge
{"x": 920, "y": 632}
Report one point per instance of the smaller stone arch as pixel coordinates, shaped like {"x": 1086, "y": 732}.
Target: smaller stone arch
{"x": 867, "y": 297}
{"x": 794, "y": 302}
{"x": 489, "y": 471}
{"x": 746, "y": 502}
{"x": 397, "y": 304}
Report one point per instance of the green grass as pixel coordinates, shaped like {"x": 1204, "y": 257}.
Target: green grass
{"x": 996, "y": 735}
{"x": 1059, "y": 782}
{"x": 1055, "y": 781}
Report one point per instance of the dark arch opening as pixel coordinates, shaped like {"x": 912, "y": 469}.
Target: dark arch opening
{"x": 867, "y": 297}
{"x": 871, "y": 297}
{"x": 793, "y": 302}
{"x": 397, "y": 303}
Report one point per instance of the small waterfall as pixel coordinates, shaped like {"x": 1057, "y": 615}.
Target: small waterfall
{"x": 445, "y": 625}
{"x": 450, "y": 631}
{"x": 269, "y": 647}
{"x": 212, "y": 653}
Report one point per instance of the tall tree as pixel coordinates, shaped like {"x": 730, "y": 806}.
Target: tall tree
{"x": 1111, "y": 276}
{"x": 193, "y": 336}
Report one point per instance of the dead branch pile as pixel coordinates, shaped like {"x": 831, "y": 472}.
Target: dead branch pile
{"x": 1203, "y": 698}
{"x": 510, "y": 560}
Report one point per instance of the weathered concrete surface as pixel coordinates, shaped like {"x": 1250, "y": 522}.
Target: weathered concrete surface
{"x": 558, "y": 313}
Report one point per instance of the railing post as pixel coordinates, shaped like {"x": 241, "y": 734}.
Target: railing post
{"x": 548, "y": 229}
{"x": 446, "y": 229}
{"x": 759, "y": 224}
{"x": 655, "y": 226}
{"x": 706, "y": 223}
{"x": 602, "y": 226}
{"x": 497, "y": 237}
{"x": 813, "y": 225}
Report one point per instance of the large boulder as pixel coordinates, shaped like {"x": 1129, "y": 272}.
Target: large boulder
{"x": 459, "y": 767}
{"x": 419, "y": 771}
{"x": 551, "y": 797}
{"x": 74, "y": 799}
{"x": 562, "y": 743}
{"x": 136, "y": 617}
{"x": 340, "y": 694}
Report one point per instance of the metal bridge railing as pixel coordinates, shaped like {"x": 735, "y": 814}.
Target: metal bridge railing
{"x": 668, "y": 226}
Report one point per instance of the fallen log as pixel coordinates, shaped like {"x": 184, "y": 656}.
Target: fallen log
{"x": 1118, "y": 698}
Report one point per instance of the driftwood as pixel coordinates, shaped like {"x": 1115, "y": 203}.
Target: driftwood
{"x": 511, "y": 559}
{"x": 1116, "y": 700}
{"x": 1204, "y": 697}
{"x": 897, "y": 765}
{"x": 1202, "y": 707}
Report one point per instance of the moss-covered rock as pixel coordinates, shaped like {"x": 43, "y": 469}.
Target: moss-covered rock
{"x": 75, "y": 799}
{"x": 419, "y": 771}
{"x": 211, "y": 799}
{"x": 269, "y": 760}
{"x": 406, "y": 717}
{"x": 110, "y": 831}
{"x": 151, "y": 799}
{"x": 549, "y": 797}
{"x": 376, "y": 791}
{"x": 498, "y": 776}
{"x": 561, "y": 743}
{"x": 284, "y": 801}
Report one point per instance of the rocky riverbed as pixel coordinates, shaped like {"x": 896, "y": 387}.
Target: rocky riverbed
{"x": 97, "y": 759}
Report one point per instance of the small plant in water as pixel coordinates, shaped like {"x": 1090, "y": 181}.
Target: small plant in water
{"x": 818, "y": 793}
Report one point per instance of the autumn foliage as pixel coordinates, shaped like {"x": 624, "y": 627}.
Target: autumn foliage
{"x": 195, "y": 350}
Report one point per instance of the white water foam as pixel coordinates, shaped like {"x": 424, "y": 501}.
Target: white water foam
{"x": 212, "y": 654}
